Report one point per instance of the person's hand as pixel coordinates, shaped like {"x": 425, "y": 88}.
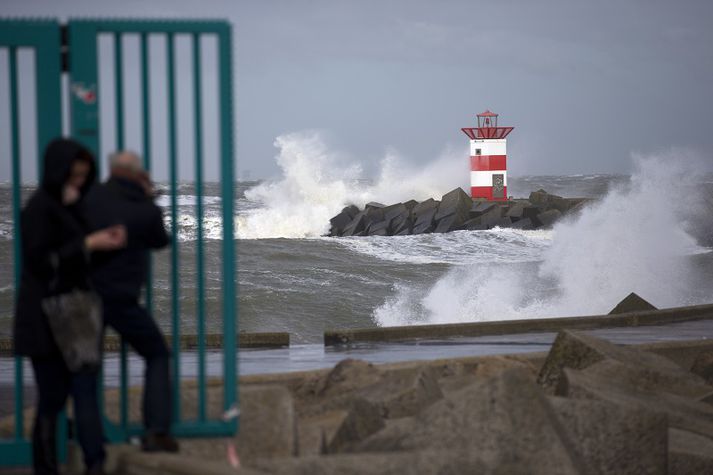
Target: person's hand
{"x": 107, "y": 239}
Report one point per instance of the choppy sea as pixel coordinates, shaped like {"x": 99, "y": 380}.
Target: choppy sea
{"x": 647, "y": 232}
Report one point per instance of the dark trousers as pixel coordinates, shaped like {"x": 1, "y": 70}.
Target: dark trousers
{"x": 54, "y": 383}
{"x": 136, "y": 326}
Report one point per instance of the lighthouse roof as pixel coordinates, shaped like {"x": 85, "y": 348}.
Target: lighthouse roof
{"x": 487, "y": 113}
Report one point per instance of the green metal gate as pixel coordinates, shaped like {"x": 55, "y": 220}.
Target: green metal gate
{"x": 80, "y": 39}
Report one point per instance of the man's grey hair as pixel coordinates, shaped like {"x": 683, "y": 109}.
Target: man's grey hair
{"x": 125, "y": 159}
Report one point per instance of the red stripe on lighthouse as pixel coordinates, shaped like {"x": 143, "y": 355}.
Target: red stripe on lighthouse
{"x": 488, "y": 162}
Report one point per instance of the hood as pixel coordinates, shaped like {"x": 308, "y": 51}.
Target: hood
{"x": 59, "y": 156}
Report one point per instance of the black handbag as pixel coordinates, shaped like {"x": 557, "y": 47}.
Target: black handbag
{"x": 75, "y": 319}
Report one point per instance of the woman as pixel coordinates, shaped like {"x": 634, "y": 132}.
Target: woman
{"x": 55, "y": 250}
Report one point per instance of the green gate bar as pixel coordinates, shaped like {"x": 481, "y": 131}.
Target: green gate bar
{"x": 43, "y": 37}
{"x": 200, "y": 288}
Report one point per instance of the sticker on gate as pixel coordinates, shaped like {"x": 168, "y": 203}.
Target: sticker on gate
{"x": 85, "y": 94}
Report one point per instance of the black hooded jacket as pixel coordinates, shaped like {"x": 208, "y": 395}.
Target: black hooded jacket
{"x": 50, "y": 231}
{"x": 119, "y": 275}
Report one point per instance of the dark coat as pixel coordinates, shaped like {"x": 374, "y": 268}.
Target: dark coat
{"x": 48, "y": 229}
{"x": 119, "y": 275}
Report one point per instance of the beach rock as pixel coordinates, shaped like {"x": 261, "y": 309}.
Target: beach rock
{"x": 682, "y": 413}
{"x": 363, "y": 419}
{"x": 516, "y": 211}
{"x": 402, "y": 393}
{"x": 422, "y": 462}
{"x": 525, "y": 223}
{"x": 315, "y": 433}
{"x": 650, "y": 378}
{"x": 393, "y": 211}
{"x": 548, "y": 218}
{"x": 703, "y": 366}
{"x": 539, "y": 198}
{"x": 380, "y": 228}
{"x": 615, "y": 440}
{"x": 578, "y": 351}
{"x": 492, "y": 217}
{"x": 340, "y": 221}
{"x": 505, "y": 419}
{"x": 348, "y": 375}
{"x": 357, "y": 225}
{"x": 689, "y": 453}
{"x": 424, "y": 221}
{"x": 632, "y": 303}
{"x": 474, "y": 225}
{"x": 481, "y": 207}
{"x": 268, "y": 423}
{"x": 403, "y": 228}
{"x": 454, "y": 203}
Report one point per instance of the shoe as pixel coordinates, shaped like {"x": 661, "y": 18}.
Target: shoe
{"x": 159, "y": 443}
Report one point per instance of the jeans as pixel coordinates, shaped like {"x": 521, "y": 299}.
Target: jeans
{"x": 54, "y": 383}
{"x": 136, "y": 326}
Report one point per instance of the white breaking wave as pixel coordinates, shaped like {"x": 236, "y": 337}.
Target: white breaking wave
{"x": 316, "y": 184}
{"x": 633, "y": 240}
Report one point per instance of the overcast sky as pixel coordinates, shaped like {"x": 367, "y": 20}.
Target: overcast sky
{"x": 584, "y": 83}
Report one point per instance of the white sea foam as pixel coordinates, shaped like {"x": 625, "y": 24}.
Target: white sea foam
{"x": 459, "y": 247}
{"x": 317, "y": 183}
{"x": 632, "y": 240}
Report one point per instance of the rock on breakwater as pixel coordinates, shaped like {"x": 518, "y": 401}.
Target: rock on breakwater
{"x": 455, "y": 211}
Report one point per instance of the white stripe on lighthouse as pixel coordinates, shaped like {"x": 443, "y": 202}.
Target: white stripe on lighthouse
{"x": 485, "y": 178}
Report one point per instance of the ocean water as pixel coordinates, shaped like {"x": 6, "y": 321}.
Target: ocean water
{"x": 649, "y": 232}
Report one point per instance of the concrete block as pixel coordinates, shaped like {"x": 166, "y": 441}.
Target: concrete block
{"x": 689, "y": 453}
{"x": 268, "y": 423}
{"x": 448, "y": 223}
{"x": 455, "y": 202}
{"x": 578, "y": 351}
{"x": 402, "y": 393}
{"x": 524, "y": 223}
{"x": 491, "y": 217}
{"x": 505, "y": 420}
{"x": 632, "y": 303}
{"x": 357, "y": 225}
{"x": 424, "y": 206}
{"x": 316, "y": 433}
{"x": 647, "y": 378}
{"x": 611, "y": 439}
{"x": 342, "y": 220}
{"x": 422, "y": 462}
{"x": 682, "y": 413}
{"x": 481, "y": 207}
{"x": 547, "y": 219}
{"x": 515, "y": 211}
{"x": 398, "y": 209}
{"x": 424, "y": 221}
{"x": 363, "y": 419}
{"x": 703, "y": 366}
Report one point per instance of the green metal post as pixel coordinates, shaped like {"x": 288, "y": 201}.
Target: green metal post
{"x": 119, "y": 94}
{"x": 16, "y": 199}
{"x": 147, "y": 148}
{"x": 200, "y": 287}
{"x": 226, "y": 155}
{"x": 173, "y": 172}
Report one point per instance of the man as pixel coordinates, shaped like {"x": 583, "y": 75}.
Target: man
{"x": 127, "y": 198}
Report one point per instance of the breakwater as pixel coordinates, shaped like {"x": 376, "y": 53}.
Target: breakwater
{"x": 454, "y": 211}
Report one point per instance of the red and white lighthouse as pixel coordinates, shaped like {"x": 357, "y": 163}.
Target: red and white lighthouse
{"x": 488, "y": 158}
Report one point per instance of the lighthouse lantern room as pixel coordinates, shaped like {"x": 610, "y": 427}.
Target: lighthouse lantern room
{"x": 488, "y": 158}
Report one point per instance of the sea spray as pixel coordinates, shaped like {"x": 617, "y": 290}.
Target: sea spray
{"x": 634, "y": 239}
{"x": 317, "y": 182}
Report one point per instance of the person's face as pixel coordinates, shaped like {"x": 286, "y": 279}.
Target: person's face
{"x": 78, "y": 174}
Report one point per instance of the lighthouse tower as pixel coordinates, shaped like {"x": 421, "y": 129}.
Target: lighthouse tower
{"x": 488, "y": 158}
